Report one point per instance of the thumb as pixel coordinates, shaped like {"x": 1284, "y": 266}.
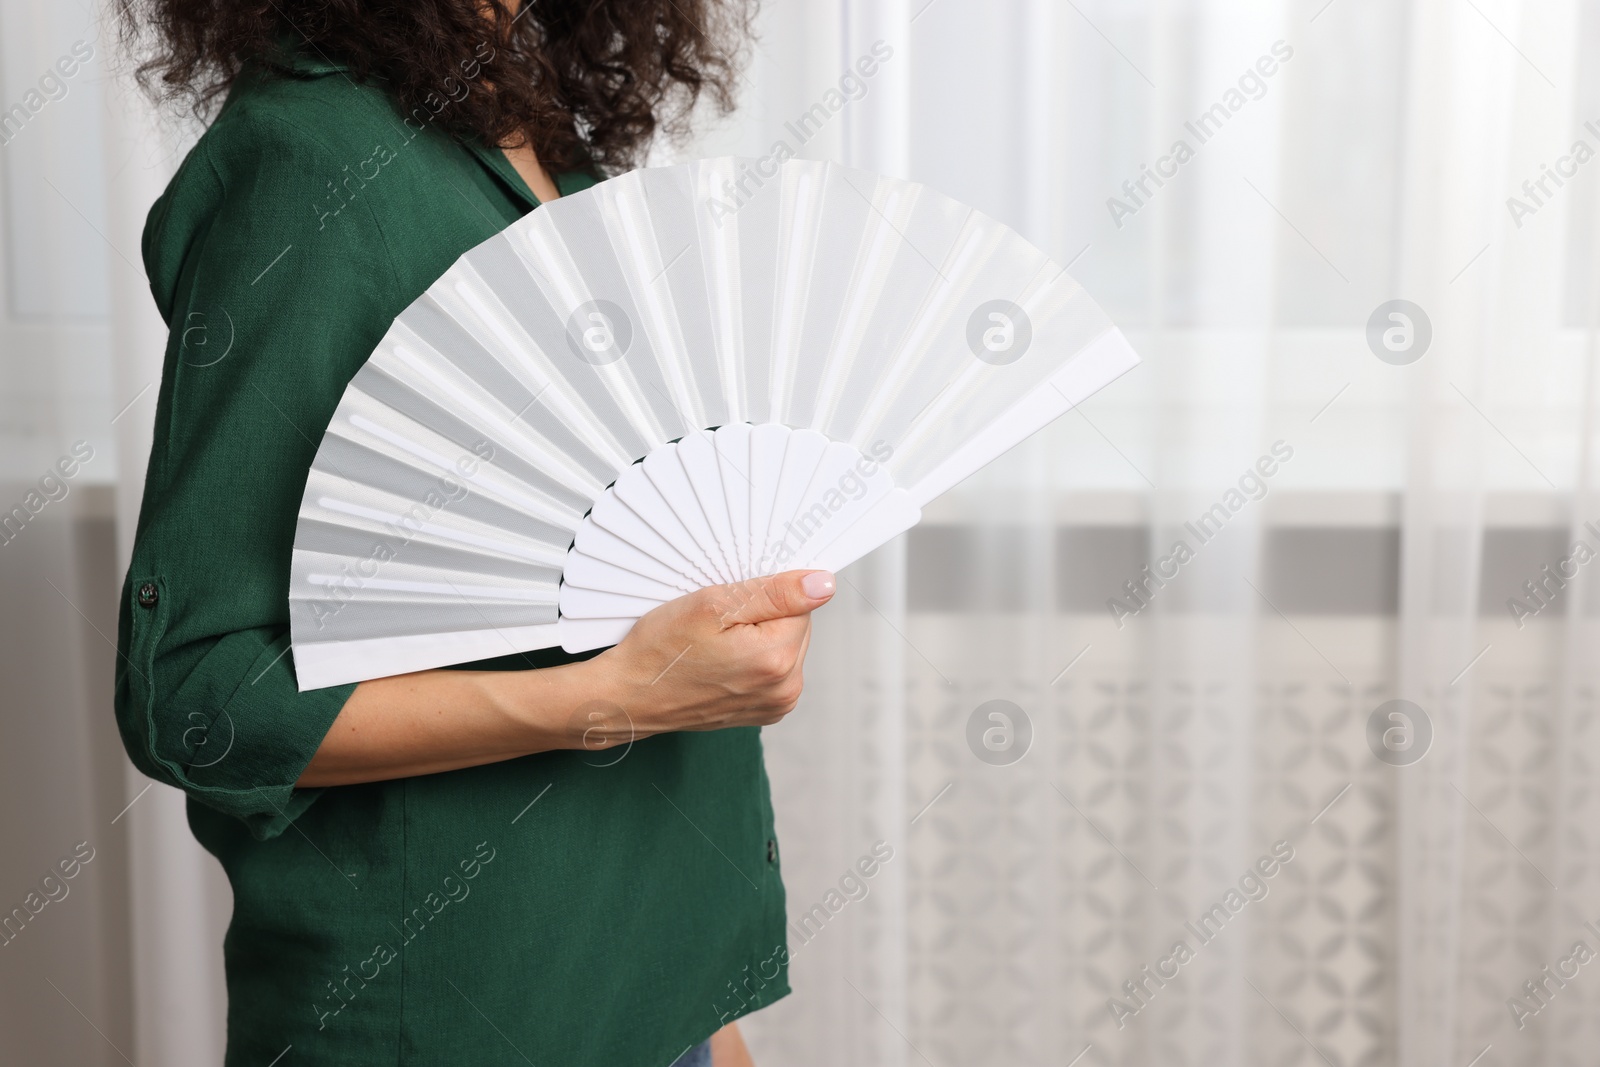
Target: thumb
{"x": 777, "y": 596}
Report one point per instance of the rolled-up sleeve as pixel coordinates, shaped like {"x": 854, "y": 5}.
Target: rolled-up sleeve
{"x": 230, "y": 728}
{"x": 275, "y": 288}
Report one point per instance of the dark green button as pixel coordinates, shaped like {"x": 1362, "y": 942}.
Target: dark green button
{"x": 148, "y": 595}
{"x": 772, "y": 851}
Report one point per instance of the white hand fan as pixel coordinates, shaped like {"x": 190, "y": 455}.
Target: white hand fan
{"x": 680, "y": 377}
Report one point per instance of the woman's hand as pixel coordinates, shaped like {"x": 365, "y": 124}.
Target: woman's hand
{"x": 728, "y": 655}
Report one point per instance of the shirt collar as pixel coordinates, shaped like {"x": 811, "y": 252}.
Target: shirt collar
{"x": 299, "y": 56}
{"x": 567, "y": 182}
{"x": 501, "y": 167}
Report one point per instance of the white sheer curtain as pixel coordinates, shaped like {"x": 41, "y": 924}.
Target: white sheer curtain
{"x": 1168, "y": 754}
{"x": 1415, "y": 540}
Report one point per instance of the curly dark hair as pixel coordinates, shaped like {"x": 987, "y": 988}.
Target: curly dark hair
{"x": 586, "y": 82}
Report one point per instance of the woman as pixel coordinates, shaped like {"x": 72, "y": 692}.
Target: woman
{"x": 544, "y": 858}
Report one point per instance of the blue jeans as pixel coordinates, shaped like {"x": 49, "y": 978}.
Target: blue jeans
{"x": 699, "y": 1056}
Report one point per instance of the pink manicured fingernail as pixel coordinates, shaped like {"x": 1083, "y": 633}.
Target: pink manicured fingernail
{"x": 818, "y": 585}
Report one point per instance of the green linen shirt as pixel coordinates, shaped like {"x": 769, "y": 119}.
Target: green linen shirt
{"x": 564, "y": 908}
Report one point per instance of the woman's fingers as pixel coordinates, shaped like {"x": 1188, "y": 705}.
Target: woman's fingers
{"x": 777, "y": 596}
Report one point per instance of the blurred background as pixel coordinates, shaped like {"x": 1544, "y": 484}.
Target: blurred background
{"x": 1071, "y": 758}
